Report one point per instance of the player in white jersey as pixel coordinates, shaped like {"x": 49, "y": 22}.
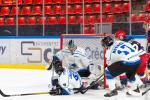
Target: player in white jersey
{"x": 76, "y": 59}
{"x": 121, "y": 58}
{"x": 65, "y": 81}
{"x": 121, "y": 35}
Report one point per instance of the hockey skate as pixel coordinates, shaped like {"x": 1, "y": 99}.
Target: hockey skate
{"x": 111, "y": 93}
{"x": 135, "y": 92}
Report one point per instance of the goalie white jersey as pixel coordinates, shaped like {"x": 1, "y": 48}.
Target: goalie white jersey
{"x": 74, "y": 61}
{"x": 122, "y": 51}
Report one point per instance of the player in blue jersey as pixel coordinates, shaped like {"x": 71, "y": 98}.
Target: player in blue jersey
{"x": 121, "y": 35}
{"x": 65, "y": 81}
{"x": 121, "y": 58}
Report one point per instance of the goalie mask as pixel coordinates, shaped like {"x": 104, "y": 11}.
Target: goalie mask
{"x": 71, "y": 46}
{"x": 58, "y": 67}
{"x": 107, "y": 41}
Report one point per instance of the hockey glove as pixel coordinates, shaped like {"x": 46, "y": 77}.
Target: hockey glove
{"x": 56, "y": 91}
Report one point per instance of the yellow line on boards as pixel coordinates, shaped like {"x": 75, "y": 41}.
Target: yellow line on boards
{"x": 23, "y": 66}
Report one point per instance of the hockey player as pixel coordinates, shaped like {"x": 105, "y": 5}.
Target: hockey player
{"x": 121, "y": 35}
{"x": 75, "y": 58}
{"x": 65, "y": 82}
{"x": 121, "y": 58}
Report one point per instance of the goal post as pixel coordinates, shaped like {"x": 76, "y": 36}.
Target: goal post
{"x": 92, "y": 45}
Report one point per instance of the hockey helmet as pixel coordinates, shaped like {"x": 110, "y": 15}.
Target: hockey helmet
{"x": 107, "y": 41}
{"x": 120, "y": 34}
{"x": 71, "y": 44}
{"x": 58, "y": 66}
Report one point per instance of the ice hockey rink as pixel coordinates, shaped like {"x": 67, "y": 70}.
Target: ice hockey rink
{"x": 18, "y": 81}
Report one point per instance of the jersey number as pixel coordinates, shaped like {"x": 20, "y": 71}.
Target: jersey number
{"x": 74, "y": 75}
{"x": 125, "y": 49}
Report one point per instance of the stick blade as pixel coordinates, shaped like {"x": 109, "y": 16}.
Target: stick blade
{"x": 3, "y": 94}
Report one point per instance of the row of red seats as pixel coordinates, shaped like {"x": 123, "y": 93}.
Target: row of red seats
{"x": 88, "y": 20}
{"x": 11, "y": 2}
{"x": 140, "y": 18}
{"x": 57, "y": 9}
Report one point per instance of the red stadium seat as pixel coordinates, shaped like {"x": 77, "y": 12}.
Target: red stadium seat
{"x": 58, "y": 1}
{"x": 37, "y": 1}
{"x": 52, "y": 20}
{"x": 62, "y": 20}
{"x": 134, "y": 18}
{"x": 147, "y": 7}
{"x": 88, "y": 9}
{"x": 27, "y": 1}
{"x": 48, "y": 10}
{"x": 97, "y": 8}
{"x": 42, "y": 20}
{"x": 141, "y": 17}
{"x": 107, "y": 8}
{"x": 14, "y": 11}
{"x": 69, "y": 7}
{"x": 36, "y": 10}
{"x": 108, "y": 0}
{"x": 7, "y": 2}
{"x": 117, "y": 8}
{"x": 48, "y": 2}
{"x": 96, "y": 0}
{"x": 99, "y": 19}
{"x": 118, "y": 0}
{"x": 78, "y": 9}
{"x": 92, "y": 30}
{"x": 69, "y": 1}
{"x": 88, "y": 1}
{"x": 76, "y": 1}
{"x": 86, "y": 30}
{"x": 21, "y": 21}
{"x": 72, "y": 20}
{"x": 80, "y": 20}
{"x": 125, "y": 7}
{"x": 31, "y": 20}
{"x": 110, "y": 19}
{"x": 0, "y": 2}
{"x": 57, "y": 9}
{"x": 19, "y": 2}
{"x": 4, "y": 11}
{"x": 91, "y": 20}
{"x": 2, "y": 21}
{"x": 26, "y": 10}
{"x": 10, "y": 21}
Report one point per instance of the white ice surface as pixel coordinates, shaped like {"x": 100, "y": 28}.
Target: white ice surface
{"x": 14, "y": 81}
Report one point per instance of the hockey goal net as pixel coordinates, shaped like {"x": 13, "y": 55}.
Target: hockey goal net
{"x": 92, "y": 45}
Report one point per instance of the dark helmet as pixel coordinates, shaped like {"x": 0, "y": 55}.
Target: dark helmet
{"x": 107, "y": 41}
{"x": 58, "y": 66}
{"x": 71, "y": 44}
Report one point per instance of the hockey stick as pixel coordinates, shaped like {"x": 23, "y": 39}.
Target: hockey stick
{"x": 84, "y": 90}
{"x": 35, "y": 93}
{"x": 147, "y": 90}
{"x": 39, "y": 93}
